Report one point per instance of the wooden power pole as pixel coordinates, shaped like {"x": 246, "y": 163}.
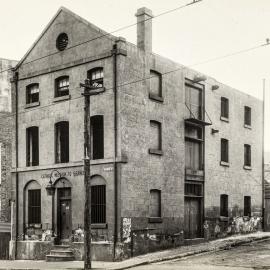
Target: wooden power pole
{"x": 88, "y": 91}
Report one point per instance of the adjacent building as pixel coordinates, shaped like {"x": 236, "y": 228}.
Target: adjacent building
{"x": 175, "y": 155}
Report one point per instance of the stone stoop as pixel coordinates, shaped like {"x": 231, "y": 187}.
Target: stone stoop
{"x": 60, "y": 253}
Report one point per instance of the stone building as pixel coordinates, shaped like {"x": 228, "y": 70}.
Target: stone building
{"x": 6, "y": 133}
{"x": 172, "y": 149}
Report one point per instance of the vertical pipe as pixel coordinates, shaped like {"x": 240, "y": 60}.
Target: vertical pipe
{"x": 263, "y": 154}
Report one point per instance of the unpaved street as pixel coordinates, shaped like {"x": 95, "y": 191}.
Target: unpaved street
{"x": 249, "y": 256}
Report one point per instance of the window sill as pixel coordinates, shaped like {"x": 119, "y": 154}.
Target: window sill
{"x": 99, "y": 226}
{"x": 247, "y": 167}
{"x": 31, "y": 105}
{"x": 62, "y": 98}
{"x": 156, "y": 97}
{"x": 194, "y": 172}
{"x": 247, "y": 126}
{"x": 155, "y": 220}
{"x": 224, "y": 119}
{"x": 223, "y": 218}
{"x": 224, "y": 163}
{"x": 155, "y": 152}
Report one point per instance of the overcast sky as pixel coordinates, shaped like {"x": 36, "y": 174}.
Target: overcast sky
{"x": 202, "y": 31}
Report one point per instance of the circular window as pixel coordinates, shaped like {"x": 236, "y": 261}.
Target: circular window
{"x": 62, "y": 41}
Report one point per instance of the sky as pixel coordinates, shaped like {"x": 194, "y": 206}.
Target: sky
{"x": 191, "y": 35}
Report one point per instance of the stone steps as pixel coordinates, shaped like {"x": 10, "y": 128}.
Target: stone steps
{"x": 60, "y": 253}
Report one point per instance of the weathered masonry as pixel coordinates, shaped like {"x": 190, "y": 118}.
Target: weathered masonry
{"x": 175, "y": 155}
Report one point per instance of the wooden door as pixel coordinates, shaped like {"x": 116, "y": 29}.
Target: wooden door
{"x": 65, "y": 218}
{"x": 4, "y": 245}
{"x": 192, "y": 218}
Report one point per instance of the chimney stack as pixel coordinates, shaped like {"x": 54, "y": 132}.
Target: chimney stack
{"x": 144, "y": 29}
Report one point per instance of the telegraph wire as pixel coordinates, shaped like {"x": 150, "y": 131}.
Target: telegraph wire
{"x": 110, "y": 33}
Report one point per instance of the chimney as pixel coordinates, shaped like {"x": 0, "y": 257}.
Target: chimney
{"x": 144, "y": 29}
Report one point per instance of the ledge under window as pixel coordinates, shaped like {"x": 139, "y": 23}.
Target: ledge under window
{"x": 247, "y": 167}
{"x": 99, "y": 226}
{"x": 156, "y": 97}
{"x": 247, "y": 126}
{"x": 224, "y": 119}
{"x": 223, "y": 218}
{"x": 62, "y": 98}
{"x": 31, "y": 105}
{"x": 155, "y": 220}
{"x": 155, "y": 152}
{"x": 224, "y": 163}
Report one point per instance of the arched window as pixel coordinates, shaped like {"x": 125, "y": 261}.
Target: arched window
{"x": 98, "y": 200}
{"x": 96, "y": 77}
{"x": 62, "y": 86}
{"x": 62, "y": 142}
{"x": 155, "y": 84}
{"x": 32, "y": 93}
{"x": 97, "y": 136}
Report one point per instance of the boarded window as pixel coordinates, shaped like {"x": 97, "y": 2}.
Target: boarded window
{"x": 32, "y": 146}
{"x": 155, "y": 83}
{"x": 224, "y": 205}
{"x": 97, "y": 136}
{"x": 34, "y": 206}
{"x": 247, "y": 206}
{"x": 155, "y": 135}
{"x": 224, "y": 107}
{"x": 98, "y": 204}
{"x": 32, "y": 93}
{"x": 96, "y": 77}
{"x": 224, "y": 150}
{"x": 247, "y": 155}
{"x": 62, "y": 142}
{"x": 193, "y": 99}
{"x": 193, "y": 155}
{"x": 62, "y": 86}
{"x": 155, "y": 203}
{"x": 247, "y": 116}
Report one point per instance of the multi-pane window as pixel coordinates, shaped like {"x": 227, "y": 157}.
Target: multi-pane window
{"x": 32, "y": 146}
{"x": 155, "y": 135}
{"x": 247, "y": 155}
{"x": 97, "y": 136}
{"x": 224, "y": 205}
{"x": 62, "y": 142}
{"x": 224, "y": 150}
{"x": 98, "y": 204}
{"x": 247, "y": 206}
{"x": 155, "y": 84}
{"x": 155, "y": 203}
{"x": 32, "y": 93}
{"x": 224, "y": 107}
{"x": 193, "y": 99}
{"x": 62, "y": 86}
{"x": 247, "y": 117}
{"x": 96, "y": 77}
{"x": 34, "y": 206}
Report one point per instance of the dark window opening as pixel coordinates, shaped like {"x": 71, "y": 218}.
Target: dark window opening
{"x": 247, "y": 155}
{"x": 193, "y": 189}
{"x": 224, "y": 107}
{"x": 224, "y": 205}
{"x": 98, "y": 204}
{"x": 247, "y": 116}
{"x": 34, "y": 206}
{"x": 32, "y": 93}
{"x": 247, "y": 206}
{"x": 193, "y": 132}
{"x": 193, "y": 99}
{"x": 62, "y": 86}
{"x": 62, "y": 41}
{"x": 62, "y": 142}
{"x": 156, "y": 135}
{"x": 224, "y": 150}
{"x": 32, "y": 146}
{"x": 96, "y": 77}
{"x": 155, "y": 203}
{"x": 97, "y": 132}
{"x": 155, "y": 83}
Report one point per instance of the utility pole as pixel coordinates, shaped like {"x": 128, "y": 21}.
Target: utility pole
{"x": 88, "y": 91}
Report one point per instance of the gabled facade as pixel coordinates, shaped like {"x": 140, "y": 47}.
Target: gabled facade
{"x": 156, "y": 132}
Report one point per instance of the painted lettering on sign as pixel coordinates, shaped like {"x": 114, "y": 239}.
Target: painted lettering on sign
{"x": 108, "y": 169}
{"x": 64, "y": 174}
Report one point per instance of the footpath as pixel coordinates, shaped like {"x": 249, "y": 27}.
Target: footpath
{"x": 169, "y": 254}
